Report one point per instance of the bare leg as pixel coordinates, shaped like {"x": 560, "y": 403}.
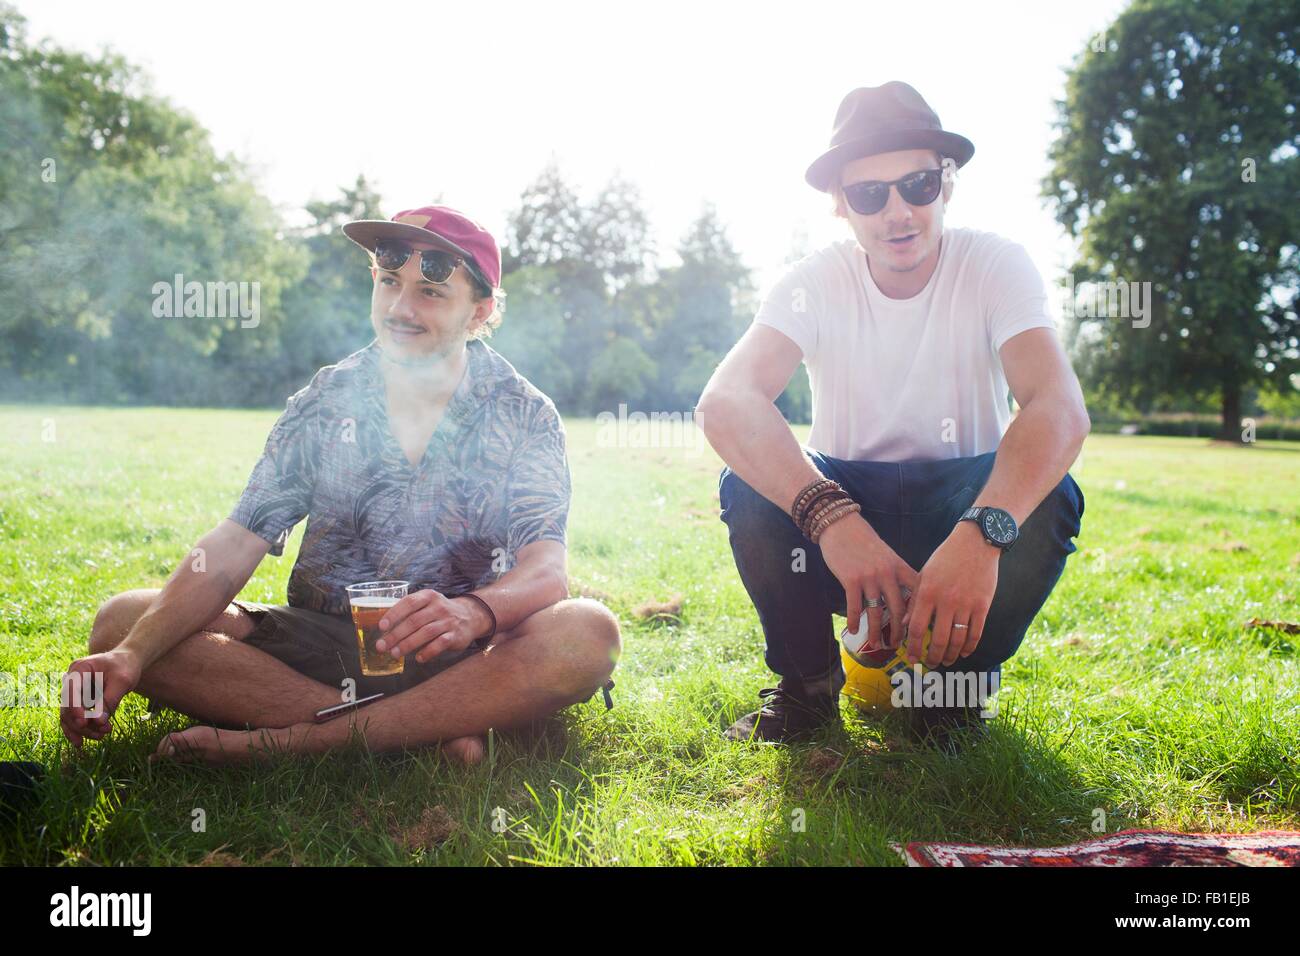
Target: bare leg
{"x": 218, "y": 680}
{"x": 557, "y": 657}
{"x": 196, "y": 676}
{"x": 211, "y": 675}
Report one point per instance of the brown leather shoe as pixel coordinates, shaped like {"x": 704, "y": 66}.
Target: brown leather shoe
{"x": 785, "y": 716}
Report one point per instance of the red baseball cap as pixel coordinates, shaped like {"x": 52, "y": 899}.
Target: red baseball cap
{"x": 442, "y": 226}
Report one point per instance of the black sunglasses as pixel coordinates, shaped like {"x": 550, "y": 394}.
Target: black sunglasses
{"x": 919, "y": 189}
{"x": 436, "y": 265}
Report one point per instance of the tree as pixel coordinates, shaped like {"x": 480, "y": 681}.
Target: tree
{"x": 587, "y": 264}
{"x": 327, "y": 313}
{"x": 1176, "y": 163}
{"x": 533, "y": 330}
{"x": 707, "y": 301}
{"x": 106, "y": 192}
{"x": 546, "y": 228}
{"x": 615, "y": 235}
{"x": 619, "y": 374}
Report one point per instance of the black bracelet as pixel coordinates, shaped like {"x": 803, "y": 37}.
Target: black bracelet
{"x": 474, "y": 597}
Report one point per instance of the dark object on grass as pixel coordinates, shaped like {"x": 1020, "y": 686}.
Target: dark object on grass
{"x": 18, "y": 783}
{"x": 948, "y": 729}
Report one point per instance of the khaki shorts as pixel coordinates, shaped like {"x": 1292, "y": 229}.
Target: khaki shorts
{"x": 324, "y": 647}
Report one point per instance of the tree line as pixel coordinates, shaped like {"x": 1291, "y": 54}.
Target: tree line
{"x": 110, "y": 195}
{"x": 1174, "y": 164}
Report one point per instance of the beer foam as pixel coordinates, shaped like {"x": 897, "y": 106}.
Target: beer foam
{"x": 374, "y": 601}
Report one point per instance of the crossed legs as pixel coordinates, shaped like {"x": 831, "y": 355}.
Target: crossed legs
{"x": 556, "y": 657}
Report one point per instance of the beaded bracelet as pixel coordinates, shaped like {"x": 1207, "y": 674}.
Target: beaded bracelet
{"x": 822, "y": 508}
{"x": 824, "y": 519}
{"x": 820, "y": 500}
{"x": 815, "y": 498}
{"x": 848, "y": 509}
{"x": 809, "y": 490}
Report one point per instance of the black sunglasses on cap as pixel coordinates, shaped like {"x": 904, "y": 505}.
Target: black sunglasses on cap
{"x": 918, "y": 189}
{"x": 436, "y": 265}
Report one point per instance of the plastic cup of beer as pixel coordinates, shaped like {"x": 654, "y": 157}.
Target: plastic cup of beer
{"x": 370, "y": 601}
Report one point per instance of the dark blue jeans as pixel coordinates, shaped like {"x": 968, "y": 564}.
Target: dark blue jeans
{"x": 913, "y": 506}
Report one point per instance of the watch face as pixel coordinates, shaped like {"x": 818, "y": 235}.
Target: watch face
{"x": 999, "y": 527}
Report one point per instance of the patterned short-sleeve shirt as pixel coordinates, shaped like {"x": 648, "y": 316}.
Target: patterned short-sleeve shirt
{"x": 493, "y": 479}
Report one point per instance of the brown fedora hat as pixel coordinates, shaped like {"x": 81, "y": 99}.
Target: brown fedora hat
{"x": 882, "y": 119}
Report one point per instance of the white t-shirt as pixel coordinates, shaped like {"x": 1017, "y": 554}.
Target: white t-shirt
{"x": 914, "y": 379}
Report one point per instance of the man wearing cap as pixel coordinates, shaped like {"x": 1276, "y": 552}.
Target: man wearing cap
{"x": 917, "y": 494}
{"x": 423, "y": 457}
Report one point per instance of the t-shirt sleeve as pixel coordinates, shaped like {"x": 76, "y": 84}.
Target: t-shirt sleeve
{"x": 792, "y": 306}
{"x": 279, "y": 490}
{"x": 539, "y": 488}
{"x": 1015, "y": 295}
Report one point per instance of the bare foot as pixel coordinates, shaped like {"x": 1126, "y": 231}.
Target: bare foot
{"x": 465, "y": 750}
{"x": 214, "y": 746}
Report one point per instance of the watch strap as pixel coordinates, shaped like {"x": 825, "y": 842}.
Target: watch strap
{"x": 976, "y": 514}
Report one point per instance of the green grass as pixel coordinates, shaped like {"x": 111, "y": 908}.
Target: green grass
{"x": 1137, "y": 691}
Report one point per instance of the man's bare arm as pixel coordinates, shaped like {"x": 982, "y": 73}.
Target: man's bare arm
{"x": 539, "y": 579}
{"x": 197, "y": 591}
{"x": 738, "y": 415}
{"x": 1048, "y": 432}
{"x": 427, "y": 623}
{"x": 959, "y": 580}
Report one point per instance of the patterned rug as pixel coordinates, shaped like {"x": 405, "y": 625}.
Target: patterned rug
{"x": 1126, "y": 848}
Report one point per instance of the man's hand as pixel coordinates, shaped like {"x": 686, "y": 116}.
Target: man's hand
{"x": 957, "y": 586}
{"x": 121, "y": 674}
{"x": 865, "y": 565}
{"x": 428, "y": 620}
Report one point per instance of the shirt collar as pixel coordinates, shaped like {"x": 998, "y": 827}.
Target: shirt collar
{"x": 475, "y": 388}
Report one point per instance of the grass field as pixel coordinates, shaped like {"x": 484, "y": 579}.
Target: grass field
{"x": 1138, "y": 692}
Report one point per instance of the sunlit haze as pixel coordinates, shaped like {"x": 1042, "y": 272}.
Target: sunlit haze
{"x": 695, "y": 102}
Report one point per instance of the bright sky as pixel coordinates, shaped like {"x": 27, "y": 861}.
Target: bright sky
{"x": 696, "y": 101}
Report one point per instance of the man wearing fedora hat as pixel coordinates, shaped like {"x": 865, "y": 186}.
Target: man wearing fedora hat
{"x": 423, "y": 457}
{"x": 917, "y": 495}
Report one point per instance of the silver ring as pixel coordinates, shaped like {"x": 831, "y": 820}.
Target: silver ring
{"x": 963, "y": 626}
{"x": 872, "y": 602}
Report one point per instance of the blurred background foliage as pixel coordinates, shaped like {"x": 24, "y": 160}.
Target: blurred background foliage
{"x": 106, "y": 189}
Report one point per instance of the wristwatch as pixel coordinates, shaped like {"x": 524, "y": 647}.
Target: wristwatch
{"x": 997, "y": 526}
